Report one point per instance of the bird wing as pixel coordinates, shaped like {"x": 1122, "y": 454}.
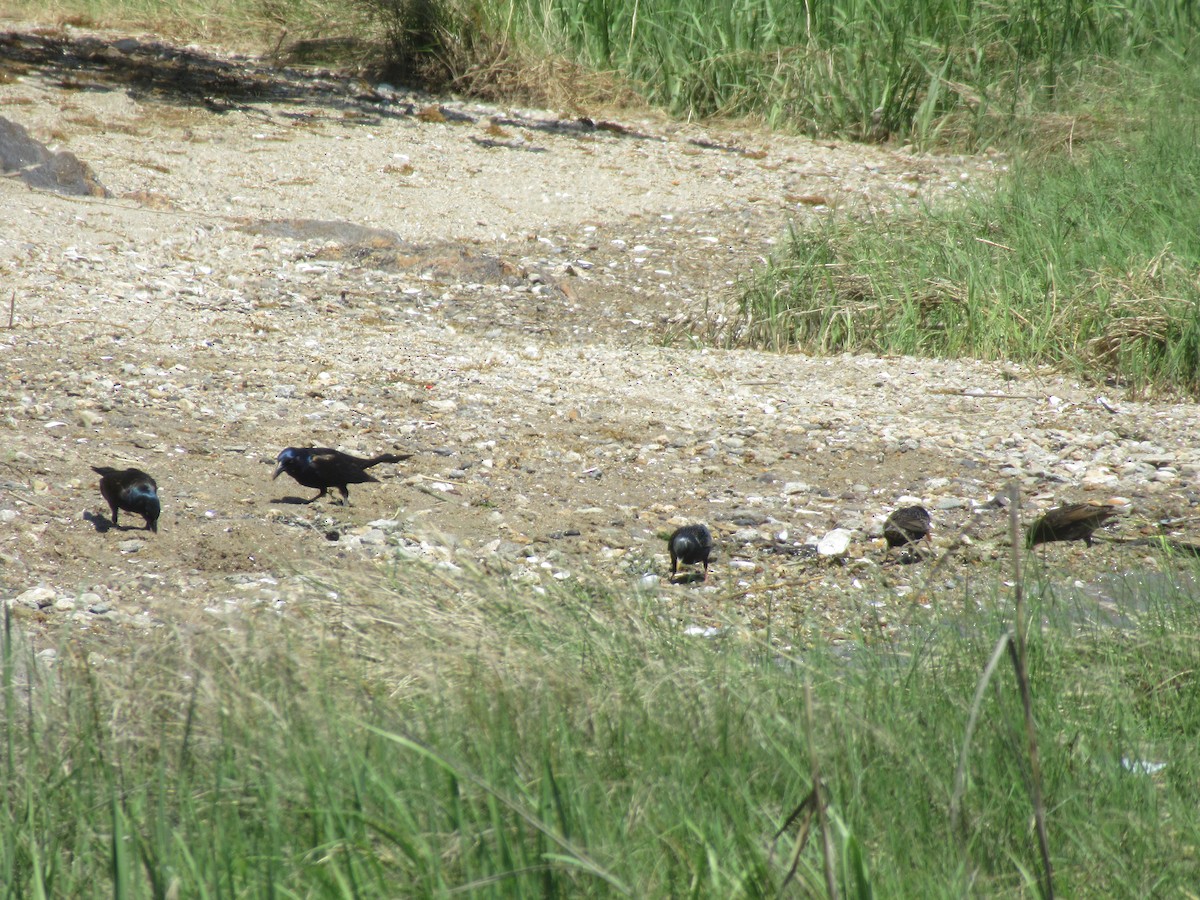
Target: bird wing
{"x": 336, "y": 467}
{"x": 137, "y": 476}
{"x": 1083, "y": 512}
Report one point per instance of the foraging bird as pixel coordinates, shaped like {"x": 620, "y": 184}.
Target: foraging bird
{"x": 131, "y": 490}
{"x": 1073, "y": 522}
{"x": 907, "y": 525}
{"x": 690, "y": 544}
{"x": 320, "y": 467}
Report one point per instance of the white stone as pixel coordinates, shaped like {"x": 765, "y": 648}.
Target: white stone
{"x": 835, "y": 543}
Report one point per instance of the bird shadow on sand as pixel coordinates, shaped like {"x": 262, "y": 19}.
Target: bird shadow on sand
{"x": 686, "y": 578}
{"x": 103, "y": 524}
{"x": 300, "y": 501}
{"x": 100, "y": 523}
{"x": 294, "y": 501}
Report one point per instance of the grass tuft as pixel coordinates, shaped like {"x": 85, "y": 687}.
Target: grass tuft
{"x": 1087, "y": 261}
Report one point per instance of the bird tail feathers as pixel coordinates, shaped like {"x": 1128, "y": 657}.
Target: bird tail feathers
{"x": 387, "y": 458}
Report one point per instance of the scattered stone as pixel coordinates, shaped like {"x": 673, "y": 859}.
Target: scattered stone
{"x": 35, "y": 598}
{"x": 834, "y": 544}
{"x": 748, "y": 517}
{"x": 944, "y": 503}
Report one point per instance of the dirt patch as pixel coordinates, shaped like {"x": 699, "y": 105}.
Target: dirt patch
{"x": 521, "y": 300}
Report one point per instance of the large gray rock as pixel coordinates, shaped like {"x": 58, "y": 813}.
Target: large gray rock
{"x": 38, "y": 167}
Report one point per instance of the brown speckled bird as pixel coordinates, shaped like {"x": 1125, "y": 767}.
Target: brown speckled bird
{"x": 907, "y": 525}
{"x": 1073, "y": 522}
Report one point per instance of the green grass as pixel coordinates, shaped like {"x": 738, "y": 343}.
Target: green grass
{"x": 866, "y": 68}
{"x": 1085, "y": 259}
{"x": 420, "y": 738}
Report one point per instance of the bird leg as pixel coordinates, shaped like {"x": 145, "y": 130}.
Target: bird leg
{"x": 316, "y": 498}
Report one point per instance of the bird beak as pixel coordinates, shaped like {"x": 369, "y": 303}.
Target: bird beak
{"x": 278, "y": 470}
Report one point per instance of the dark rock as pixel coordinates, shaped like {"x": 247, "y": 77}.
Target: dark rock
{"x": 748, "y": 518}
{"x": 40, "y": 168}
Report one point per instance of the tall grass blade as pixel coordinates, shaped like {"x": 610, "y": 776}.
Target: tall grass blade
{"x": 1019, "y": 655}
{"x": 960, "y": 773}
{"x": 819, "y": 800}
{"x": 37, "y": 882}
{"x": 121, "y": 882}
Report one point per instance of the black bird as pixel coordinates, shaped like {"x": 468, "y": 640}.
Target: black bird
{"x": 131, "y": 490}
{"x": 907, "y": 525}
{"x": 1073, "y": 522}
{"x": 320, "y": 467}
{"x": 690, "y": 544}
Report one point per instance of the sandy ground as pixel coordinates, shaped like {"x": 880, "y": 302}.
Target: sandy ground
{"x": 522, "y": 299}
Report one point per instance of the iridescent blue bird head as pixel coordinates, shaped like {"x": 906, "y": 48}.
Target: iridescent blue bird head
{"x": 286, "y": 456}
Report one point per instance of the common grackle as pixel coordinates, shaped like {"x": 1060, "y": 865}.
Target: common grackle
{"x": 131, "y": 490}
{"x": 1073, "y": 522}
{"x": 690, "y": 544}
{"x": 320, "y": 467}
{"x": 907, "y": 525}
